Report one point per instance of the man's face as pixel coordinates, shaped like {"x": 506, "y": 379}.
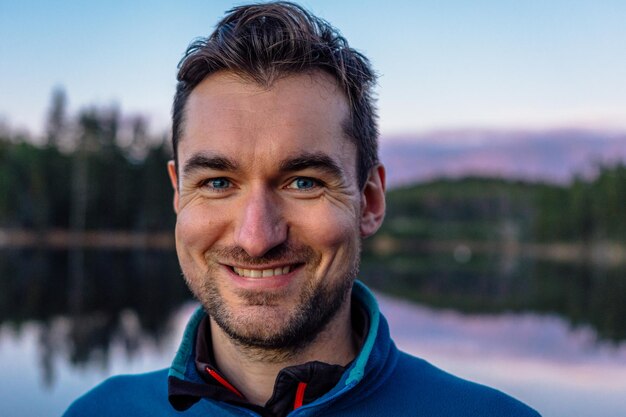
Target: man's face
{"x": 269, "y": 212}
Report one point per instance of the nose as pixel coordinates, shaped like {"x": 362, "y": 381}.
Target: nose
{"x": 261, "y": 225}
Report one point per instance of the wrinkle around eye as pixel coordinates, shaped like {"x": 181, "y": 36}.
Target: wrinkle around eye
{"x": 296, "y": 184}
{"x": 208, "y": 187}
{"x": 218, "y": 184}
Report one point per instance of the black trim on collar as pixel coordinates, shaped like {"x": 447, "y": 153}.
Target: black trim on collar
{"x": 295, "y": 385}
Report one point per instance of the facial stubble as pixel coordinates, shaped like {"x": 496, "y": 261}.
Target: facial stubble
{"x": 274, "y": 334}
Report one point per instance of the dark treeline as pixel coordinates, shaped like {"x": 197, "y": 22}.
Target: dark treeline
{"x": 101, "y": 170}
{"x": 586, "y": 210}
{"x": 493, "y": 283}
{"x": 484, "y": 209}
{"x": 95, "y": 170}
{"x": 36, "y": 285}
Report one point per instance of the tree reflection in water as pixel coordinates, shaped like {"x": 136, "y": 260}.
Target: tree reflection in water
{"x": 127, "y": 297}
{"x": 582, "y": 293}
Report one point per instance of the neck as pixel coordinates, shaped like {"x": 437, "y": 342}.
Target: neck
{"x": 253, "y": 371}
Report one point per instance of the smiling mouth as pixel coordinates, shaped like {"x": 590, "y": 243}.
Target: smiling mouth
{"x": 262, "y": 273}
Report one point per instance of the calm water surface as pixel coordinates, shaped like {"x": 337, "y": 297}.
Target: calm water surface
{"x": 549, "y": 334}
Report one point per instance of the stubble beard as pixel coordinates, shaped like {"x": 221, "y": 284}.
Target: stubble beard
{"x": 277, "y": 335}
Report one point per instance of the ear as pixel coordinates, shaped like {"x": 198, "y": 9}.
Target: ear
{"x": 171, "y": 170}
{"x": 373, "y": 201}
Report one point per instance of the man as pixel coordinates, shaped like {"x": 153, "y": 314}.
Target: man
{"x": 276, "y": 181}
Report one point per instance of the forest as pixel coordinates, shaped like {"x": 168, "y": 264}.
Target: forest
{"x": 102, "y": 170}
{"x": 447, "y": 242}
{"x": 495, "y": 209}
{"x": 99, "y": 170}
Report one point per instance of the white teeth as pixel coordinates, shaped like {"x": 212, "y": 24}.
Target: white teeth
{"x": 261, "y": 273}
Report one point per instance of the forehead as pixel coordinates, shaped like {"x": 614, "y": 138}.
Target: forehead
{"x": 228, "y": 114}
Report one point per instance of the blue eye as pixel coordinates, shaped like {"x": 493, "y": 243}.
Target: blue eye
{"x": 303, "y": 183}
{"x": 218, "y": 183}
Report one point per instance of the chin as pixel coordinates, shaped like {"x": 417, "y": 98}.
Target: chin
{"x": 269, "y": 320}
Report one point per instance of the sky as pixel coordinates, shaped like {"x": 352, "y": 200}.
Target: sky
{"x": 443, "y": 64}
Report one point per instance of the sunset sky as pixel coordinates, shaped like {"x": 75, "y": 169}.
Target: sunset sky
{"x": 442, "y": 64}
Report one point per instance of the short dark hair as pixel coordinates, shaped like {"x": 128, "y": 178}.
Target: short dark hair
{"x": 263, "y": 42}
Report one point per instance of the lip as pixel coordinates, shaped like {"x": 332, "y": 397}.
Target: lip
{"x": 263, "y": 283}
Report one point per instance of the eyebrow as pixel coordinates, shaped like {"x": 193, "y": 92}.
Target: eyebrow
{"x": 312, "y": 160}
{"x": 203, "y": 161}
{"x": 301, "y": 162}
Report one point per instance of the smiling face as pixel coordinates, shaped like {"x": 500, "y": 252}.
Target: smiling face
{"x": 269, "y": 212}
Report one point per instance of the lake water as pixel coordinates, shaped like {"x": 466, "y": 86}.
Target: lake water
{"x": 550, "y": 334}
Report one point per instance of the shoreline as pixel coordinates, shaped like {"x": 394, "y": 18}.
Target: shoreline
{"x": 65, "y": 239}
{"x": 602, "y": 252}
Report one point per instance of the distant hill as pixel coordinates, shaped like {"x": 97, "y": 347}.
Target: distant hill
{"x": 503, "y": 210}
{"x": 555, "y": 156}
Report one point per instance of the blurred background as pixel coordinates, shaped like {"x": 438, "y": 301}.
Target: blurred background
{"x": 503, "y": 255}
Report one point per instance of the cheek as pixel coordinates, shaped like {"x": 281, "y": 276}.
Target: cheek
{"x": 196, "y": 232}
{"x": 331, "y": 229}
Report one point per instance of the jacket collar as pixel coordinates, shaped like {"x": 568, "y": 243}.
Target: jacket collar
{"x": 193, "y": 375}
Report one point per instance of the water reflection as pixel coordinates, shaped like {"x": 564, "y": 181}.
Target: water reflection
{"x": 582, "y": 293}
{"x": 124, "y": 296}
{"x": 537, "y": 358}
{"x": 529, "y": 326}
{"x": 23, "y": 393}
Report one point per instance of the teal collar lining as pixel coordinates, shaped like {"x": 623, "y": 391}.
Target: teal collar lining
{"x": 365, "y": 296}
{"x": 186, "y": 346}
{"x": 359, "y": 292}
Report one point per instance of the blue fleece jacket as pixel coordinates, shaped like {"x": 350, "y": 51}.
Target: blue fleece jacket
{"x": 381, "y": 381}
